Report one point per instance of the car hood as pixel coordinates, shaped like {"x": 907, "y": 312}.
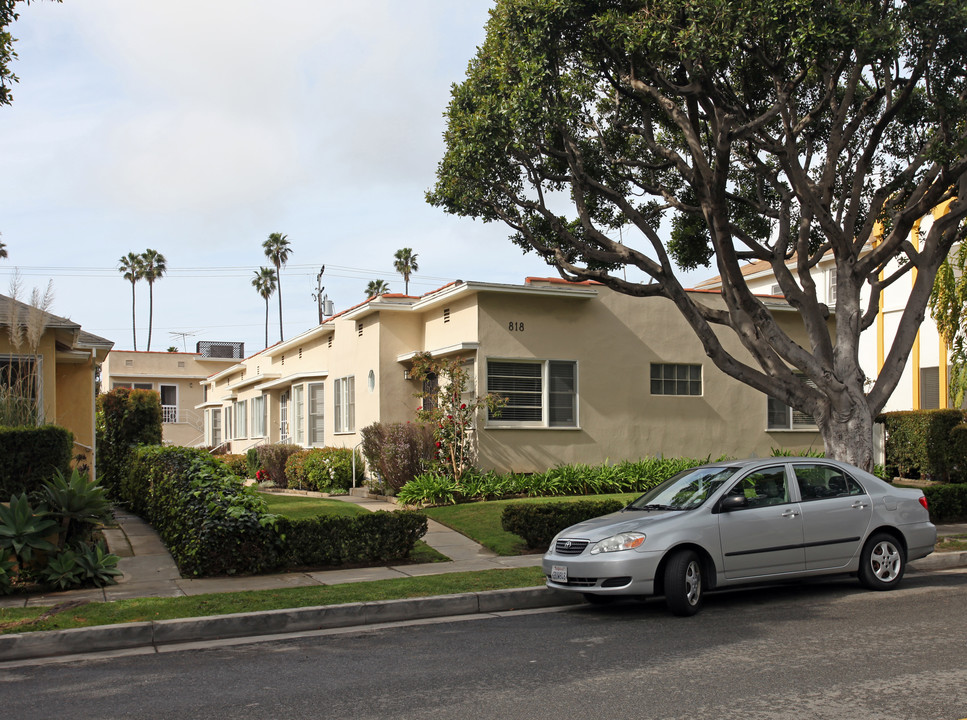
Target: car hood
{"x": 622, "y": 521}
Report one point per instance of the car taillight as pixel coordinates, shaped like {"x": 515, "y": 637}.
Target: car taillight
{"x": 923, "y": 501}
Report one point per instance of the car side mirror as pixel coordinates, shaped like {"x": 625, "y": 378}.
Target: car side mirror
{"x": 733, "y": 502}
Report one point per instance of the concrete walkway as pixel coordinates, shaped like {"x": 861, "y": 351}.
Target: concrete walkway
{"x": 149, "y": 571}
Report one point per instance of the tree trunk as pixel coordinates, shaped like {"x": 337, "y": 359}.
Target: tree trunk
{"x": 150, "y": 313}
{"x": 849, "y": 437}
{"x": 134, "y": 331}
{"x": 279, "y": 280}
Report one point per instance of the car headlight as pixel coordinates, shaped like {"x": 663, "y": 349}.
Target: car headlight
{"x": 621, "y": 541}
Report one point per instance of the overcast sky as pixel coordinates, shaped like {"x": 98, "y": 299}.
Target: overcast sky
{"x": 197, "y": 128}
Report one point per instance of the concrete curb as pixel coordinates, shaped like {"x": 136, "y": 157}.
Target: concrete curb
{"x": 102, "y": 638}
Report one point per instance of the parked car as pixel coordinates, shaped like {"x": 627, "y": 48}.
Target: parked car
{"x": 748, "y": 521}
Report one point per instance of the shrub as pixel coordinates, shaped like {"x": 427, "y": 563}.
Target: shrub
{"x": 537, "y": 524}
{"x": 252, "y": 461}
{"x": 397, "y": 452}
{"x": 295, "y": 469}
{"x": 920, "y": 442}
{"x": 237, "y": 465}
{"x": 272, "y": 459}
{"x": 127, "y": 419}
{"x": 327, "y": 541}
{"x": 31, "y": 455}
{"x": 947, "y": 503}
{"x": 211, "y": 523}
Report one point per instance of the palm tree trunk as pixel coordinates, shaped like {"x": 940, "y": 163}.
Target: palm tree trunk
{"x": 150, "y": 312}
{"x": 134, "y": 332}
{"x": 266, "y": 321}
{"x": 278, "y": 271}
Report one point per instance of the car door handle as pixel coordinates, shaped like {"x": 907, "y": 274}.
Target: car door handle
{"x": 790, "y": 514}
{"x": 858, "y": 505}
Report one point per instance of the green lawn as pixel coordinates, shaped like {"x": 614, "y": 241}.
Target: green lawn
{"x": 480, "y": 521}
{"x": 145, "y": 609}
{"x": 299, "y": 507}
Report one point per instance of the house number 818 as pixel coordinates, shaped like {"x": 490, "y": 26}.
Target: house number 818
{"x": 515, "y": 326}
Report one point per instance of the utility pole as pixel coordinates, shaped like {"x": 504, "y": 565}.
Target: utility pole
{"x": 318, "y": 293}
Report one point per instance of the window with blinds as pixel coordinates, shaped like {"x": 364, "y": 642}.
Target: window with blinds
{"x": 537, "y": 393}
{"x": 783, "y": 417}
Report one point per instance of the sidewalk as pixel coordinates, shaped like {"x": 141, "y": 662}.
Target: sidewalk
{"x": 149, "y": 571}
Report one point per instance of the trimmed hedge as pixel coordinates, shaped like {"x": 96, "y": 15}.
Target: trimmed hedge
{"x": 537, "y": 524}
{"x": 31, "y": 455}
{"x": 127, "y": 419}
{"x": 327, "y": 469}
{"x": 328, "y": 541}
{"x": 211, "y": 523}
{"x": 237, "y": 464}
{"x": 924, "y": 442}
{"x": 947, "y": 503}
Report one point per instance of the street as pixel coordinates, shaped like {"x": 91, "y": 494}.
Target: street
{"x": 808, "y": 651}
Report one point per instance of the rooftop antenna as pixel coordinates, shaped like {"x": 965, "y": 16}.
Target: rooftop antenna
{"x": 182, "y": 335}
{"x": 317, "y": 295}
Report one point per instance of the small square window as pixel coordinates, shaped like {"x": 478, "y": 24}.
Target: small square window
{"x": 676, "y": 379}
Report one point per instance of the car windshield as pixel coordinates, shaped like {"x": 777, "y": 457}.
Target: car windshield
{"x": 684, "y": 491}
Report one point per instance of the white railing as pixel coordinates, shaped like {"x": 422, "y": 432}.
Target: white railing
{"x": 169, "y": 413}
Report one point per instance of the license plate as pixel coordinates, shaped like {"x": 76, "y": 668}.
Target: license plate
{"x": 559, "y": 573}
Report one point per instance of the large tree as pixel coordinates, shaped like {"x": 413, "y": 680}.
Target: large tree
{"x": 153, "y": 266}
{"x": 718, "y": 133}
{"x": 277, "y": 249}
{"x": 264, "y": 283}
{"x": 131, "y": 267}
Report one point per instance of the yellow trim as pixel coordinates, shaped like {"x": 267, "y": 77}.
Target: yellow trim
{"x": 915, "y": 239}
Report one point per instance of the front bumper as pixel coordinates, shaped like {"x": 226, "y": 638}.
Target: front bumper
{"x": 629, "y": 572}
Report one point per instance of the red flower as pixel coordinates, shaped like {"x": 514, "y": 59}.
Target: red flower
{"x": 463, "y": 406}
{"x": 439, "y": 444}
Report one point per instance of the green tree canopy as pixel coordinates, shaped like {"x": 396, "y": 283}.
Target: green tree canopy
{"x": 712, "y": 134}
{"x": 277, "y": 248}
{"x": 405, "y": 264}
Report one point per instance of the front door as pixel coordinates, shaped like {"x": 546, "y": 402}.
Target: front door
{"x": 766, "y": 536}
{"x": 284, "y": 417}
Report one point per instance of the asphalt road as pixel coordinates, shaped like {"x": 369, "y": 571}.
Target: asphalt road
{"x": 814, "y": 651}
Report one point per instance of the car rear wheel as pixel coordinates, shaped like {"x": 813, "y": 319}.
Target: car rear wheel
{"x": 683, "y": 583}
{"x": 882, "y": 562}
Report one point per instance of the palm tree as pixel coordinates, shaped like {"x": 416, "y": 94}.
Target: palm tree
{"x": 153, "y": 266}
{"x": 277, "y": 250}
{"x": 264, "y": 283}
{"x": 132, "y": 268}
{"x": 376, "y": 287}
{"x": 405, "y": 264}
{"x": 3, "y": 250}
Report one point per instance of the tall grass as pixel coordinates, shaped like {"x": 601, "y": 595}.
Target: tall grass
{"x": 20, "y": 380}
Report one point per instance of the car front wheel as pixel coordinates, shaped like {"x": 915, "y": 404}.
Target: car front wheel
{"x": 683, "y": 583}
{"x": 882, "y": 562}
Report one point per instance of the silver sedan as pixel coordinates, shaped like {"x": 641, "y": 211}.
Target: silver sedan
{"x": 746, "y": 521}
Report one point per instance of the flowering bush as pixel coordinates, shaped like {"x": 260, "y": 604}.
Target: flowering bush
{"x": 396, "y": 453}
{"x": 450, "y": 411}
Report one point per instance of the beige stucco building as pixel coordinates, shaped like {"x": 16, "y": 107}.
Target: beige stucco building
{"x": 178, "y": 377}
{"x": 65, "y": 359}
{"x": 591, "y": 375}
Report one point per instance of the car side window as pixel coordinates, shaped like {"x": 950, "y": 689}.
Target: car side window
{"x": 818, "y": 482}
{"x": 763, "y": 487}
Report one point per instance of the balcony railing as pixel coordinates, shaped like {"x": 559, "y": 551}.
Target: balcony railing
{"x": 169, "y": 413}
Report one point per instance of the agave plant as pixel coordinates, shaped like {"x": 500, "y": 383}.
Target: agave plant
{"x": 80, "y": 503}
{"x": 63, "y": 571}
{"x": 98, "y": 565}
{"x": 22, "y": 530}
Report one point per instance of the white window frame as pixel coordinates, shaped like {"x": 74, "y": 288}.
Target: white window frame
{"x": 501, "y": 421}
{"x": 215, "y": 439}
{"x": 257, "y": 407}
{"x": 297, "y": 423}
{"x": 241, "y": 419}
{"x": 169, "y": 413}
{"x": 344, "y": 405}
{"x": 316, "y": 415}
{"x": 663, "y": 381}
{"x": 795, "y": 421}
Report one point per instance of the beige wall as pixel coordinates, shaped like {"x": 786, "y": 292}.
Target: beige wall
{"x": 183, "y": 422}
{"x": 613, "y": 339}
